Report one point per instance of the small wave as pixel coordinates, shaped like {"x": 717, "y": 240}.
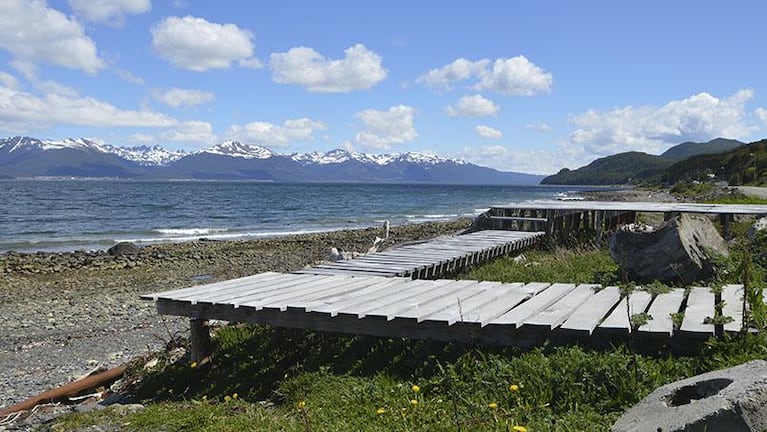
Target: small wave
{"x": 189, "y": 231}
{"x": 440, "y": 216}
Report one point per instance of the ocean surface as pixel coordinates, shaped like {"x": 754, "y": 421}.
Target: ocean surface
{"x": 66, "y": 215}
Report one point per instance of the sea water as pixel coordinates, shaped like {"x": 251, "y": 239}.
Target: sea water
{"x": 71, "y": 214}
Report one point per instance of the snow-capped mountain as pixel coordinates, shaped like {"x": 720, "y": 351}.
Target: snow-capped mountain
{"x": 232, "y": 160}
{"x": 143, "y": 155}
{"x": 147, "y": 155}
{"x": 237, "y": 149}
{"x": 340, "y": 156}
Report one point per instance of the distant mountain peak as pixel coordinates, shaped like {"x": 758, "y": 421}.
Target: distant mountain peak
{"x": 148, "y": 155}
{"x": 238, "y": 149}
{"x": 341, "y": 155}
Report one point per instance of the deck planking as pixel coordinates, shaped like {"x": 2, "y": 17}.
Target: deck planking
{"x": 463, "y": 311}
{"x": 433, "y": 258}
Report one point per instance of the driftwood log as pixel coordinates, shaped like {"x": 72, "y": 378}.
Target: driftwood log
{"x": 67, "y": 390}
{"x": 679, "y": 251}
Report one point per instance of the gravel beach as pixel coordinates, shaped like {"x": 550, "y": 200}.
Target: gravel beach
{"x": 63, "y": 314}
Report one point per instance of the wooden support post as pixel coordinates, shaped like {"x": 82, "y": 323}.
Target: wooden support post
{"x": 726, "y": 220}
{"x": 200, "y": 337}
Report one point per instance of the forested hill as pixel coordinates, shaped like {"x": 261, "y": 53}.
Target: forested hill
{"x": 638, "y": 167}
{"x": 622, "y": 168}
{"x": 746, "y": 165}
{"x": 689, "y": 149}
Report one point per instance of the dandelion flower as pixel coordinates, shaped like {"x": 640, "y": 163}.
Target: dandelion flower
{"x": 301, "y": 404}
{"x": 227, "y": 398}
{"x": 193, "y": 365}
{"x": 492, "y": 405}
{"x": 513, "y": 388}
{"x": 519, "y": 429}
{"x": 415, "y": 388}
{"x": 380, "y": 411}
{"x": 413, "y": 402}
{"x": 235, "y": 396}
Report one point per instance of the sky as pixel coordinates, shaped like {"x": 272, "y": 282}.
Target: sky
{"x": 515, "y": 85}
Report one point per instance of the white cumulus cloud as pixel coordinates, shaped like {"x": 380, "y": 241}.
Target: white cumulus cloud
{"x": 761, "y": 114}
{"x": 541, "y": 127}
{"x": 515, "y": 76}
{"x": 176, "y": 97}
{"x": 23, "y": 111}
{"x": 110, "y": 12}
{"x": 383, "y": 129}
{"x": 651, "y": 129}
{"x": 33, "y": 33}
{"x": 360, "y": 69}
{"x": 198, "y": 45}
{"x": 264, "y": 133}
{"x": 195, "y": 132}
{"x": 488, "y": 132}
{"x": 10, "y": 81}
{"x": 473, "y": 106}
{"x": 510, "y": 159}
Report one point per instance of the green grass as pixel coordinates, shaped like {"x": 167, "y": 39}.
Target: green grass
{"x": 295, "y": 380}
{"x": 737, "y": 199}
{"x": 561, "y": 265}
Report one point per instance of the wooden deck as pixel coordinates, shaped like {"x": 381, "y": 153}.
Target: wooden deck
{"x": 516, "y": 314}
{"x": 563, "y": 219}
{"x": 639, "y": 206}
{"x": 432, "y": 258}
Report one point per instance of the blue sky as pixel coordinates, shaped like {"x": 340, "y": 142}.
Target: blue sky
{"x": 519, "y": 86}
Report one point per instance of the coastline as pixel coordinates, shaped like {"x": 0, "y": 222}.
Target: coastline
{"x": 66, "y": 313}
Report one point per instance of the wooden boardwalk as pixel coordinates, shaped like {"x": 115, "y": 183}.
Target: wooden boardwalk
{"x": 561, "y": 219}
{"x": 516, "y": 314}
{"x": 432, "y": 258}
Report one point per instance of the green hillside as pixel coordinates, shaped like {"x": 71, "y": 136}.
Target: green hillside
{"x": 689, "y": 149}
{"x": 746, "y": 165}
{"x": 622, "y": 168}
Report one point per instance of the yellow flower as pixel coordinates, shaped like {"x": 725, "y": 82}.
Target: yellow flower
{"x": 415, "y": 388}
{"x": 301, "y": 404}
{"x": 492, "y": 405}
{"x": 235, "y": 396}
{"x": 519, "y": 429}
{"x": 380, "y": 411}
{"x": 513, "y": 388}
{"x": 227, "y": 398}
{"x": 193, "y": 365}
{"x": 413, "y": 402}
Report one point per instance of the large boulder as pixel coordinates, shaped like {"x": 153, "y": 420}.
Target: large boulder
{"x": 679, "y": 251}
{"x": 123, "y": 249}
{"x": 732, "y": 400}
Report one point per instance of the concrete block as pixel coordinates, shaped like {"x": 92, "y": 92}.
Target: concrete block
{"x": 731, "y": 400}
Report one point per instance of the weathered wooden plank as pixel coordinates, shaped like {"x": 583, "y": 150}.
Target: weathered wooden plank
{"x": 618, "y": 320}
{"x": 491, "y": 311}
{"x": 519, "y": 314}
{"x": 660, "y": 311}
{"x": 332, "y": 303}
{"x": 413, "y": 298}
{"x": 557, "y": 312}
{"x": 210, "y": 287}
{"x": 637, "y": 206}
{"x": 472, "y": 309}
{"x": 359, "y": 305}
{"x": 457, "y": 290}
{"x": 732, "y": 296}
{"x": 585, "y": 318}
{"x": 235, "y": 292}
{"x": 700, "y": 305}
{"x": 305, "y": 292}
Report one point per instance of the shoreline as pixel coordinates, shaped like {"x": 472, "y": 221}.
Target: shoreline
{"x": 60, "y": 322}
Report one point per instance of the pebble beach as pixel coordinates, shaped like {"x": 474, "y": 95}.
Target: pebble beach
{"x": 64, "y": 314}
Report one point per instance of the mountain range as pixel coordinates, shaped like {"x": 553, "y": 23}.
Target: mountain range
{"x": 638, "y": 167}
{"x": 24, "y": 157}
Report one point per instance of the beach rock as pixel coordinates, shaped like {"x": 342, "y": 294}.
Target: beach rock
{"x": 757, "y": 228}
{"x": 732, "y": 400}
{"x": 123, "y": 249}
{"x": 679, "y": 251}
